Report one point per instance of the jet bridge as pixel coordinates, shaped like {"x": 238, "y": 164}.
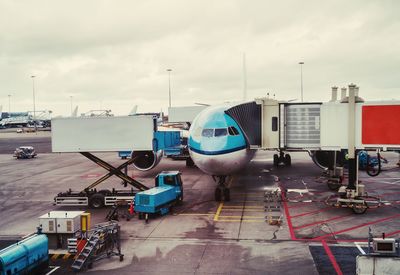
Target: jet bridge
{"x": 318, "y": 126}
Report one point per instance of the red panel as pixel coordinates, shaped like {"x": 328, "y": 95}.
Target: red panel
{"x": 381, "y": 124}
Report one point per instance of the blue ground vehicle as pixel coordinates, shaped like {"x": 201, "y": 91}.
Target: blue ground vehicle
{"x": 159, "y": 199}
{"x": 28, "y": 256}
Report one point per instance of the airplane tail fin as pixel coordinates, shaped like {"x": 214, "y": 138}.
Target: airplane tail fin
{"x": 133, "y": 111}
{"x": 75, "y": 112}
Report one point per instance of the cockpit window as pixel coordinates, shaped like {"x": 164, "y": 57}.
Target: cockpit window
{"x": 233, "y": 131}
{"x": 220, "y": 132}
{"x": 207, "y": 132}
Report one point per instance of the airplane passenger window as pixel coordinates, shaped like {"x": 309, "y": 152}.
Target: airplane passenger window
{"x": 233, "y": 131}
{"x": 207, "y": 132}
{"x": 220, "y": 132}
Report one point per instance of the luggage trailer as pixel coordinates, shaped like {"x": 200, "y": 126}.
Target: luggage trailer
{"x": 94, "y": 198}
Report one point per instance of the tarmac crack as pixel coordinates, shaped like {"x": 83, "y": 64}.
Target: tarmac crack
{"x": 201, "y": 259}
{"x": 241, "y": 217}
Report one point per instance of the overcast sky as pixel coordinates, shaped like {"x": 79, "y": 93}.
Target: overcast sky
{"x": 114, "y": 54}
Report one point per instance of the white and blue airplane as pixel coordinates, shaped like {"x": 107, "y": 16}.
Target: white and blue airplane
{"x": 218, "y": 146}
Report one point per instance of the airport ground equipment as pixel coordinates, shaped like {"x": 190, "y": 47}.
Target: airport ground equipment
{"x": 25, "y": 152}
{"x": 90, "y": 196}
{"x": 272, "y": 199}
{"x": 382, "y": 256}
{"x": 158, "y": 200}
{"x": 28, "y": 256}
{"x": 59, "y": 226}
{"x": 103, "y": 242}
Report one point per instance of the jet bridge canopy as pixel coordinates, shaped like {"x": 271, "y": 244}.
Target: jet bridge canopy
{"x": 103, "y": 134}
{"x": 248, "y": 116}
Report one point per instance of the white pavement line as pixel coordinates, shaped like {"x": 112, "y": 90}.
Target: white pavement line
{"x": 54, "y": 269}
{"x": 359, "y": 248}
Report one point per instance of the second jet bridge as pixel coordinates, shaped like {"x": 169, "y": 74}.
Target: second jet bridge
{"x": 110, "y": 134}
{"x": 87, "y": 135}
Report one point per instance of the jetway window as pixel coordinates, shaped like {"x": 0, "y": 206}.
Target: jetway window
{"x": 233, "y": 131}
{"x": 274, "y": 123}
{"x": 207, "y": 132}
{"x": 221, "y": 132}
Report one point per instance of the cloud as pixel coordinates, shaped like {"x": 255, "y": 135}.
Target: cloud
{"x": 115, "y": 54}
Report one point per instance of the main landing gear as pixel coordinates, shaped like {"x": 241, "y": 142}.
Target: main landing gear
{"x": 282, "y": 159}
{"x": 222, "y": 193}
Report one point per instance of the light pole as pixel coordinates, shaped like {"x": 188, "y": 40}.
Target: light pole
{"x": 9, "y": 104}
{"x": 301, "y": 78}
{"x": 169, "y": 85}
{"x": 34, "y": 104}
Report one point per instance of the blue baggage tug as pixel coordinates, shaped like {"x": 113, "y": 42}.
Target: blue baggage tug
{"x": 159, "y": 199}
{"x": 28, "y": 256}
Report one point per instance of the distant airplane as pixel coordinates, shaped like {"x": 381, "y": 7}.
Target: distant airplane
{"x": 133, "y": 111}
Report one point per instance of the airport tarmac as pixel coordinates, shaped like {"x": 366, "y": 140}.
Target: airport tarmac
{"x": 203, "y": 236}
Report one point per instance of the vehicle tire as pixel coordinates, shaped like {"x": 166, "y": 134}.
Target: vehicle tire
{"x": 288, "y": 160}
{"x": 96, "y": 200}
{"x": 227, "y": 194}
{"x": 218, "y": 194}
{"x": 359, "y": 210}
{"x": 121, "y": 258}
{"x": 189, "y": 162}
{"x": 334, "y": 186}
{"x": 276, "y": 160}
{"x": 179, "y": 200}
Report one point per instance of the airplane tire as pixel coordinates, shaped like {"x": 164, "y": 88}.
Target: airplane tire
{"x": 288, "y": 160}
{"x": 276, "y": 160}
{"x": 227, "y": 194}
{"x": 218, "y": 194}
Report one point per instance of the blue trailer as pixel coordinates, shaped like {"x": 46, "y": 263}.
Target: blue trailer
{"x": 25, "y": 257}
{"x": 159, "y": 199}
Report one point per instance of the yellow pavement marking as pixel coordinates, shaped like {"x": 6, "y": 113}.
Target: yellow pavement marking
{"x": 218, "y": 211}
{"x": 244, "y": 210}
{"x": 241, "y": 220}
{"x": 55, "y": 256}
{"x": 244, "y": 217}
{"x": 66, "y": 256}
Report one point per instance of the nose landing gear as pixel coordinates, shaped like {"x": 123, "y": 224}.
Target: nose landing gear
{"x": 222, "y": 192}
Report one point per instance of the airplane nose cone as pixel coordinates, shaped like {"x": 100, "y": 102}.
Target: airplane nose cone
{"x": 221, "y": 165}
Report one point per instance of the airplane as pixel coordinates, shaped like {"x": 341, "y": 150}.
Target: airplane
{"x": 218, "y": 146}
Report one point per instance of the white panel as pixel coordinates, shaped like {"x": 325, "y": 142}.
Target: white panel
{"x": 102, "y": 134}
{"x": 377, "y": 265}
{"x": 184, "y": 114}
{"x": 334, "y": 126}
{"x": 270, "y": 109}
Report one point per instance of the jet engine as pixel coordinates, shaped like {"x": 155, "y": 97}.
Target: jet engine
{"x": 146, "y": 160}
